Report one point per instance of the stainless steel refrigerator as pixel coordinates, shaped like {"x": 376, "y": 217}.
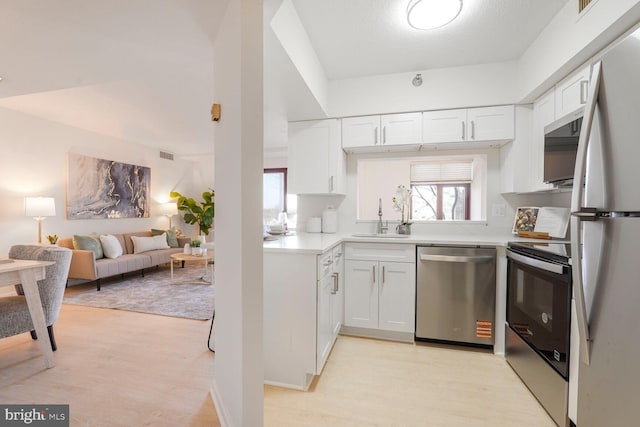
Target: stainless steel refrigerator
{"x": 605, "y": 233}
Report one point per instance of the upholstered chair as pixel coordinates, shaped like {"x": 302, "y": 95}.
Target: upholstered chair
{"x": 14, "y": 312}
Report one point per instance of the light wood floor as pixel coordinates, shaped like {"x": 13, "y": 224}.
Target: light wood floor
{"x": 118, "y": 368}
{"x": 378, "y": 383}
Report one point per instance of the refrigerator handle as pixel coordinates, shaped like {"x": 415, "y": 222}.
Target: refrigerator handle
{"x": 576, "y": 214}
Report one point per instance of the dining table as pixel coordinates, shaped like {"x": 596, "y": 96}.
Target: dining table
{"x": 27, "y": 273}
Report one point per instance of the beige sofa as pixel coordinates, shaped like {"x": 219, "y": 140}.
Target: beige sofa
{"x": 85, "y": 266}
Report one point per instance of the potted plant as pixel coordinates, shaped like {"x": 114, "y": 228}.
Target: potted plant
{"x": 195, "y": 247}
{"x": 401, "y": 203}
{"x": 200, "y": 213}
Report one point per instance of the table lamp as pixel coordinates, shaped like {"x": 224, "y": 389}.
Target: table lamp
{"x": 39, "y": 208}
{"x": 169, "y": 209}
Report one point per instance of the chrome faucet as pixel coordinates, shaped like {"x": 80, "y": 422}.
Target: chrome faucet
{"x": 382, "y": 229}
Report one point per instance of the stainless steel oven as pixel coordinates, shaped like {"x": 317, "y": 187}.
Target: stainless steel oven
{"x": 539, "y": 321}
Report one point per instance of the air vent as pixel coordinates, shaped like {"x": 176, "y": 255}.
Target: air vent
{"x": 165, "y": 155}
{"x": 582, "y": 4}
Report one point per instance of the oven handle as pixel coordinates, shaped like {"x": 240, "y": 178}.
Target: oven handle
{"x": 543, "y": 265}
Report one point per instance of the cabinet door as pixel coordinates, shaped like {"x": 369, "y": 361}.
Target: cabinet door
{"x": 571, "y": 93}
{"x": 324, "y": 333}
{"x": 490, "y": 123}
{"x": 361, "y": 294}
{"x": 444, "y": 126}
{"x": 401, "y": 129}
{"x": 315, "y": 157}
{"x": 360, "y": 131}
{"x": 396, "y": 302}
{"x": 543, "y": 114}
{"x": 337, "y": 300}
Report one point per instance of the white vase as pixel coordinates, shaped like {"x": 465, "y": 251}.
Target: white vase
{"x": 196, "y": 251}
{"x": 187, "y": 249}
{"x": 202, "y": 238}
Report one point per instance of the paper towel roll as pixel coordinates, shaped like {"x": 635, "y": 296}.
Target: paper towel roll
{"x": 329, "y": 220}
{"x": 314, "y": 225}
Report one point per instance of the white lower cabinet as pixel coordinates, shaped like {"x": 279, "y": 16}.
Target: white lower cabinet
{"x": 330, "y": 303}
{"x": 302, "y": 314}
{"x": 380, "y": 287}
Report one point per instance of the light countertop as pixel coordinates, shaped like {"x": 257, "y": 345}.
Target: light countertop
{"x": 317, "y": 243}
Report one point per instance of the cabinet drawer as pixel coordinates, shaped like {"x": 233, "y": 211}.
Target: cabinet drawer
{"x": 325, "y": 262}
{"x": 381, "y": 252}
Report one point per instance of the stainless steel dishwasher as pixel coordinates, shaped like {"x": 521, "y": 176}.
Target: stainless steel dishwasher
{"x": 455, "y": 294}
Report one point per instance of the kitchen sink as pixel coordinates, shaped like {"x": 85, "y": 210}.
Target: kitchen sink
{"x": 384, "y": 235}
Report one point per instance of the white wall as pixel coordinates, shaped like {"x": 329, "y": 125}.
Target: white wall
{"x": 294, "y": 39}
{"x": 569, "y": 40}
{"x": 237, "y": 386}
{"x": 470, "y": 86}
{"x": 35, "y": 164}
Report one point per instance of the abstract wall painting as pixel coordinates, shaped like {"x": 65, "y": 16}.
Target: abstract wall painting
{"x": 98, "y": 188}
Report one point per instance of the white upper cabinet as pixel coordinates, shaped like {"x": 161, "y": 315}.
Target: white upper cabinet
{"x": 468, "y": 125}
{"x": 316, "y": 160}
{"x": 382, "y": 132}
{"x": 401, "y": 129}
{"x": 490, "y": 123}
{"x": 571, "y": 93}
{"x": 444, "y": 126}
{"x": 360, "y": 132}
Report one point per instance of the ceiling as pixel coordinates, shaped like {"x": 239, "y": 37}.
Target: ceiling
{"x": 357, "y": 38}
{"x": 142, "y": 71}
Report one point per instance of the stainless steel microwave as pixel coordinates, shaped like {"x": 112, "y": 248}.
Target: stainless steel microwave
{"x": 561, "y": 147}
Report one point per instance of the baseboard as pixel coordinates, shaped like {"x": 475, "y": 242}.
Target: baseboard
{"x": 407, "y": 337}
{"x": 217, "y": 403}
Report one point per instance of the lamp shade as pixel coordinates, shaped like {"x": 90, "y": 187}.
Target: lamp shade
{"x": 38, "y": 207}
{"x": 169, "y": 209}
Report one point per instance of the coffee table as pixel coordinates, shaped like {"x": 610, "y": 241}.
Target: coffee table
{"x": 207, "y": 277}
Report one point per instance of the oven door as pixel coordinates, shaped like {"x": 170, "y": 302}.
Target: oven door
{"x": 539, "y": 306}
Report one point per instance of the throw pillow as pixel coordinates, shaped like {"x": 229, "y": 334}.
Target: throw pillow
{"x": 89, "y": 242}
{"x": 110, "y": 246}
{"x": 172, "y": 239}
{"x": 144, "y": 244}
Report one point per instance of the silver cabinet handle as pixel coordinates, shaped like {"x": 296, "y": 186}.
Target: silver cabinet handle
{"x": 374, "y": 274}
{"x": 334, "y": 276}
{"x": 375, "y": 135}
{"x": 383, "y": 274}
{"x": 542, "y": 265}
{"x": 452, "y": 258}
{"x": 584, "y": 86}
{"x": 384, "y": 134}
{"x": 473, "y": 129}
{"x": 462, "y": 123}
{"x": 331, "y": 184}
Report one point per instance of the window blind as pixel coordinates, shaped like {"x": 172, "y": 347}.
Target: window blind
{"x": 442, "y": 171}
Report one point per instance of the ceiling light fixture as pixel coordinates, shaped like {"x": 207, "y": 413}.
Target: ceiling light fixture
{"x": 417, "y": 80}
{"x": 430, "y": 14}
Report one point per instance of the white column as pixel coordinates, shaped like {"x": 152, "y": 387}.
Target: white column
{"x": 238, "y": 374}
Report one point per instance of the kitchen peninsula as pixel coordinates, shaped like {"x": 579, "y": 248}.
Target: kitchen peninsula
{"x": 304, "y": 285}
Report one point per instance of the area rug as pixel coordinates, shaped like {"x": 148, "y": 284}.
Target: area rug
{"x": 152, "y": 293}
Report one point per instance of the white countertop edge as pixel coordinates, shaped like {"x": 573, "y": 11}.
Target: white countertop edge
{"x": 317, "y": 243}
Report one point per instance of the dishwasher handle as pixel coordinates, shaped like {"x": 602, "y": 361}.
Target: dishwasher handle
{"x": 456, "y": 258}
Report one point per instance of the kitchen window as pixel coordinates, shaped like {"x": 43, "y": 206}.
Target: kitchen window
{"x": 275, "y": 200}
{"x": 441, "y": 190}
{"x": 445, "y": 188}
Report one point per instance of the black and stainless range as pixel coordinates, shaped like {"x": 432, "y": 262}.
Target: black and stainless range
{"x": 539, "y": 321}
